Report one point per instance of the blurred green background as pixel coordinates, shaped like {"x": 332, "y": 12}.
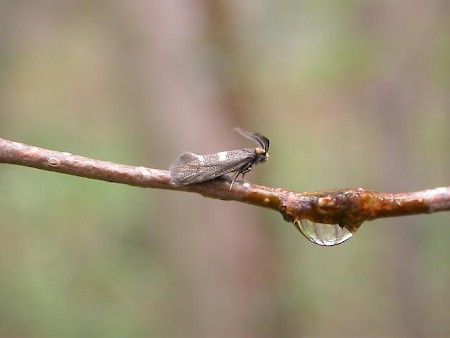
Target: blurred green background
{"x": 350, "y": 93}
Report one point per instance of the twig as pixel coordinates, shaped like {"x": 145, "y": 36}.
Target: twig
{"x": 348, "y": 208}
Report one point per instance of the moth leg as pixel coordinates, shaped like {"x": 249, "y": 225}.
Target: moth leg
{"x": 235, "y": 176}
{"x": 242, "y": 172}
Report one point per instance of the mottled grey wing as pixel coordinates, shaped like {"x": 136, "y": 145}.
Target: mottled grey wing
{"x": 190, "y": 168}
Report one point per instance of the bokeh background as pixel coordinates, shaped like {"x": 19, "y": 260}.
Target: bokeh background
{"x": 350, "y": 93}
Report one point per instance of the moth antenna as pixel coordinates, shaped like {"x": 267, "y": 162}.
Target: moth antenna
{"x": 262, "y": 141}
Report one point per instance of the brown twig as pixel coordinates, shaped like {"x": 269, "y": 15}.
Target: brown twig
{"x": 348, "y": 208}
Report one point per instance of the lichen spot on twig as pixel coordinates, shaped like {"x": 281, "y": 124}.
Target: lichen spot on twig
{"x": 54, "y": 162}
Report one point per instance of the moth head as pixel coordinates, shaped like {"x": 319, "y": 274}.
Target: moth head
{"x": 263, "y": 142}
{"x": 261, "y": 155}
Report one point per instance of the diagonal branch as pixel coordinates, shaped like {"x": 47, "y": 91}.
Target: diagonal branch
{"x": 348, "y": 208}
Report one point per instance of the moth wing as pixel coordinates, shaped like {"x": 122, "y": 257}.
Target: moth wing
{"x": 190, "y": 168}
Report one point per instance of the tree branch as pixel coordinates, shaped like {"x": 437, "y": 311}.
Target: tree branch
{"x": 347, "y": 208}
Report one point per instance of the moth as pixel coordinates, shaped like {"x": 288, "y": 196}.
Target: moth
{"x": 191, "y": 168}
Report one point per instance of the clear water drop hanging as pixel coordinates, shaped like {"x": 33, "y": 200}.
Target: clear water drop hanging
{"x": 323, "y": 234}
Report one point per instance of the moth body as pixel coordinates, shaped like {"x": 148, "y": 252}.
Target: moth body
{"x": 190, "y": 168}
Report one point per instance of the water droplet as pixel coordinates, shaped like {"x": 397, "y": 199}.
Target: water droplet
{"x": 323, "y": 234}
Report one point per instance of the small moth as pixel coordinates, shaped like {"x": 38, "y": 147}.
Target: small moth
{"x": 190, "y": 168}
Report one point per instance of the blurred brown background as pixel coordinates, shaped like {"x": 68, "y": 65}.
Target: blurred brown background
{"x": 350, "y": 93}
